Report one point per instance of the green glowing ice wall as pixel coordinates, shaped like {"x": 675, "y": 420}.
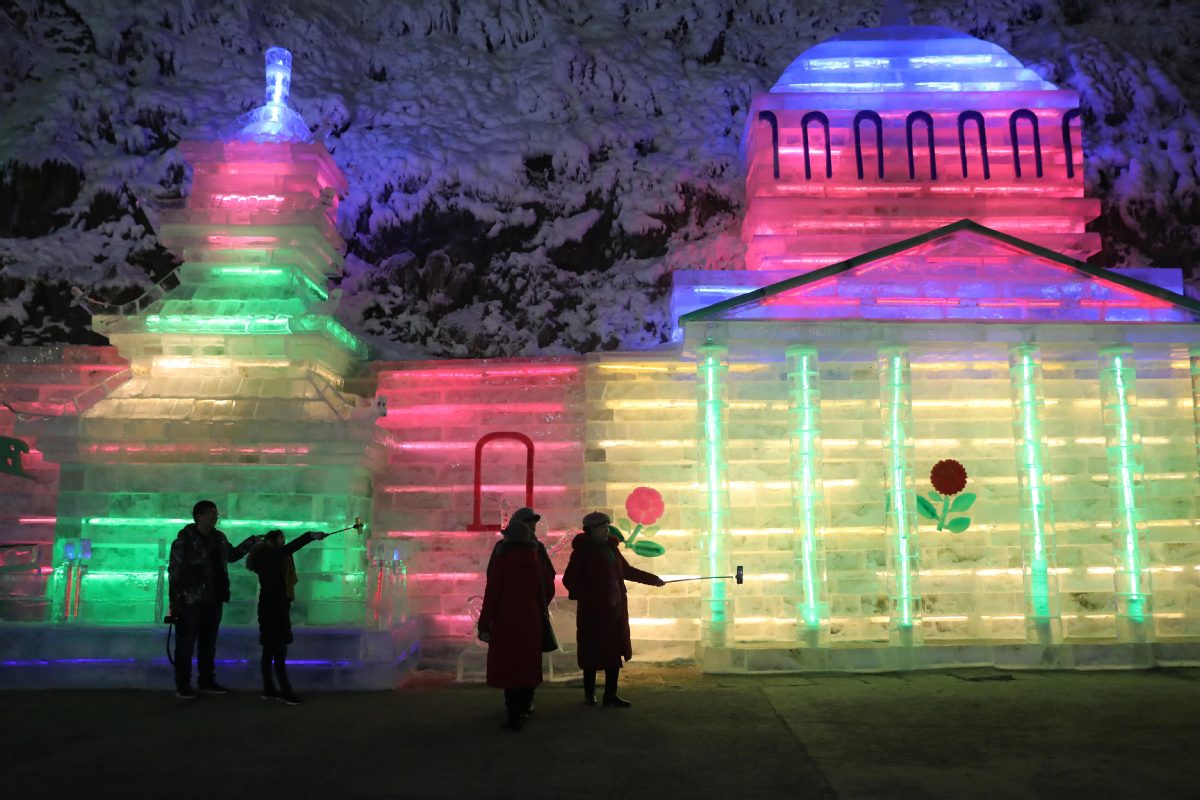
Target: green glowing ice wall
{"x": 130, "y": 513}
{"x": 808, "y": 507}
{"x": 1126, "y": 481}
{"x": 713, "y": 472}
{"x": 1042, "y": 617}
{"x": 895, "y": 407}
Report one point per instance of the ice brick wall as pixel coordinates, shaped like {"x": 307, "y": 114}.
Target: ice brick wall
{"x": 880, "y": 134}
{"x": 973, "y": 585}
{"x": 642, "y": 431}
{"x": 437, "y": 412}
{"x": 1083, "y": 497}
{"x": 35, "y": 382}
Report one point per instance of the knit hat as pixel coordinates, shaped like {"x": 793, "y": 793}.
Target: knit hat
{"x": 595, "y": 518}
{"x": 526, "y": 515}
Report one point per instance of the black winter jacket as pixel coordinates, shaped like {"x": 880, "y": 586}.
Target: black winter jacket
{"x": 198, "y": 571}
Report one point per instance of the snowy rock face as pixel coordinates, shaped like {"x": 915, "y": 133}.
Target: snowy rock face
{"x": 524, "y": 175}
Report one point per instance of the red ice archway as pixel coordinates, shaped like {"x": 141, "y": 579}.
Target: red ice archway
{"x": 477, "y": 524}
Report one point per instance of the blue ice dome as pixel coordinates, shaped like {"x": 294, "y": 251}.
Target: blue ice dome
{"x": 907, "y": 58}
{"x": 274, "y": 120}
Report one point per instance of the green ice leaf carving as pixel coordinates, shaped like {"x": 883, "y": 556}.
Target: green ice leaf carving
{"x": 625, "y": 524}
{"x": 653, "y": 529}
{"x": 963, "y": 502}
{"x": 958, "y": 524}
{"x": 925, "y": 508}
{"x": 935, "y": 497}
{"x": 648, "y": 549}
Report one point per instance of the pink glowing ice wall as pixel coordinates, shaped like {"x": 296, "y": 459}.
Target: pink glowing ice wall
{"x": 881, "y": 134}
{"x": 522, "y": 421}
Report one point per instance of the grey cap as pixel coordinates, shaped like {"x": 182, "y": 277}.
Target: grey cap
{"x": 596, "y": 518}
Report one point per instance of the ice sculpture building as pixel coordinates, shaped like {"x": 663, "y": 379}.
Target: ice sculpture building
{"x": 926, "y": 428}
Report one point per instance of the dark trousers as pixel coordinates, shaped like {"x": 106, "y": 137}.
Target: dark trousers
{"x": 275, "y": 655}
{"x": 196, "y": 629}
{"x": 518, "y": 701}
{"x": 611, "y": 676}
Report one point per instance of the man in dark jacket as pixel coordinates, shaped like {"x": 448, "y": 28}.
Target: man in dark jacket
{"x": 198, "y": 576}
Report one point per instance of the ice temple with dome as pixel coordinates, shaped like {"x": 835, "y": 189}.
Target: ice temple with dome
{"x": 927, "y": 430}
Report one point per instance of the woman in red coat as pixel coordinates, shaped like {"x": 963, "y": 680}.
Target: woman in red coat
{"x": 512, "y": 620}
{"x": 595, "y": 577}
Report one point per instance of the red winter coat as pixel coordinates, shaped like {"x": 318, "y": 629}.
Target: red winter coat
{"x": 595, "y": 577}
{"x": 514, "y": 602}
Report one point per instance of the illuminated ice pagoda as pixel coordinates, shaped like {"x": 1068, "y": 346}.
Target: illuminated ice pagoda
{"x": 929, "y": 431}
{"x": 237, "y": 393}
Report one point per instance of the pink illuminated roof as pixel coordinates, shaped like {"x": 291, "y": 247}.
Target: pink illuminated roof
{"x": 960, "y": 272}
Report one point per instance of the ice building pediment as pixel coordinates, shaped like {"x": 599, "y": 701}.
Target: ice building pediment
{"x": 960, "y": 272}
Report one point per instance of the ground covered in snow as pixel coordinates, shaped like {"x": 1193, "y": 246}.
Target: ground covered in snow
{"x": 525, "y": 175}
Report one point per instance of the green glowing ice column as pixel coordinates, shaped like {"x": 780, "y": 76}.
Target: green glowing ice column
{"x": 900, "y": 513}
{"x": 808, "y": 507}
{"x": 1042, "y": 621}
{"x": 1195, "y": 363}
{"x": 1126, "y": 481}
{"x": 713, "y": 468}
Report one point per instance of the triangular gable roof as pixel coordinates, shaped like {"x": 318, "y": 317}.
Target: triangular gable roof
{"x": 976, "y": 273}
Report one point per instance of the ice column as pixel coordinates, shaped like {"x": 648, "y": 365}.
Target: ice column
{"x": 900, "y": 513}
{"x": 1042, "y": 616}
{"x": 1195, "y": 363}
{"x": 713, "y": 466}
{"x": 1126, "y": 482}
{"x": 808, "y": 506}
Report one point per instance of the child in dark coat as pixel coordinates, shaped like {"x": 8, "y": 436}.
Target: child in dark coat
{"x": 272, "y": 560}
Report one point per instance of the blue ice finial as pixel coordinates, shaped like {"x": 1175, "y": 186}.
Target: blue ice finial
{"x": 274, "y": 120}
{"x": 279, "y": 75}
{"x": 895, "y": 12}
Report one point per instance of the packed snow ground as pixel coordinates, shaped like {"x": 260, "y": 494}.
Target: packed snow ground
{"x": 525, "y": 175}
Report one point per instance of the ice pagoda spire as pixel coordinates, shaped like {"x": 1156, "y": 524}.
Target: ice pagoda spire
{"x": 274, "y": 120}
{"x": 895, "y": 12}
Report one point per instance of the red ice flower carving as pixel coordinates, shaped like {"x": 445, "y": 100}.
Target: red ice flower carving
{"x": 948, "y": 477}
{"x": 644, "y": 505}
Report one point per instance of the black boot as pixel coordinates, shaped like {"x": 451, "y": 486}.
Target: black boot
{"x": 513, "y": 706}
{"x": 611, "y": 677}
{"x": 589, "y": 687}
{"x": 268, "y": 692}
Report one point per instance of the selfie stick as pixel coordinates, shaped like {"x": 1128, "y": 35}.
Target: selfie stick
{"x": 737, "y": 577}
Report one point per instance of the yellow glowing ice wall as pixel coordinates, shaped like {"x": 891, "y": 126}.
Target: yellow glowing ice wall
{"x": 642, "y": 430}
{"x": 237, "y": 394}
{"x": 984, "y": 583}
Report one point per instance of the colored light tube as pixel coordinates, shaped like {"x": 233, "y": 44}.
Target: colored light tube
{"x": 1042, "y": 622}
{"x": 714, "y": 544}
{"x": 1194, "y": 365}
{"x": 483, "y": 372}
{"x": 224, "y": 523}
{"x": 804, "y": 392}
{"x": 1126, "y": 480}
{"x": 900, "y": 519}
